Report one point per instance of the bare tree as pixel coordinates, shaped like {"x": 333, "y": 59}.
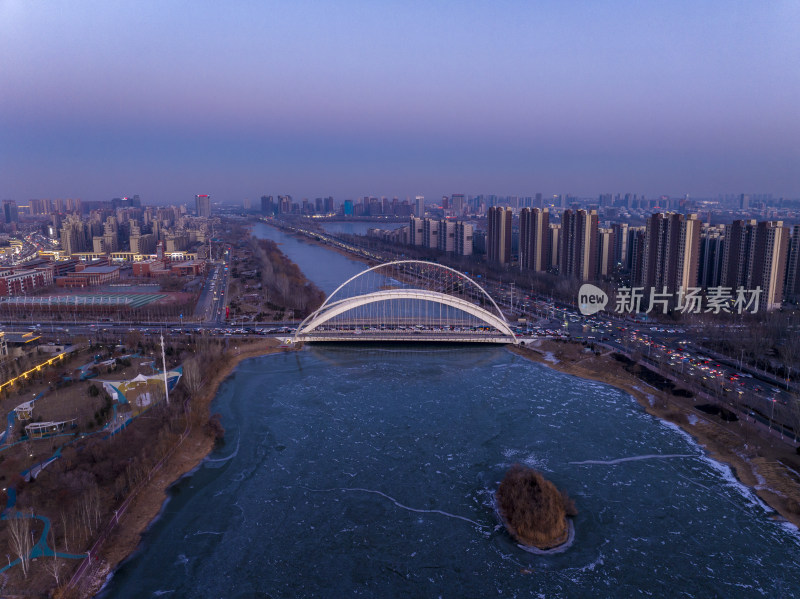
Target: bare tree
{"x": 64, "y": 521}
{"x": 133, "y": 339}
{"x": 19, "y": 527}
{"x": 90, "y": 510}
{"x": 192, "y": 379}
{"x": 793, "y": 409}
{"x": 54, "y": 566}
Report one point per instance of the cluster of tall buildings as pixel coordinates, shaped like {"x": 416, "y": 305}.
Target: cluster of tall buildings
{"x": 134, "y": 230}
{"x": 284, "y": 204}
{"x": 670, "y": 252}
{"x": 456, "y": 205}
{"x": 166, "y": 240}
{"x": 47, "y": 206}
{"x": 449, "y": 236}
{"x": 454, "y": 237}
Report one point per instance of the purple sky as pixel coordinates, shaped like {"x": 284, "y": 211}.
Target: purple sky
{"x": 168, "y": 99}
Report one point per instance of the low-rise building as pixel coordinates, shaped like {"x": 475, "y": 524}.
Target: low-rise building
{"x": 19, "y": 281}
{"x": 90, "y": 276}
{"x": 151, "y": 268}
{"x": 190, "y": 268}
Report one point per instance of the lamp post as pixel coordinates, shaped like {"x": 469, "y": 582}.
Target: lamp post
{"x": 772, "y": 413}
{"x": 164, "y": 366}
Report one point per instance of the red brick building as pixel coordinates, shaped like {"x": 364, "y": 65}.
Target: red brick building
{"x": 90, "y": 276}
{"x": 24, "y": 281}
{"x": 191, "y": 268}
{"x": 149, "y": 268}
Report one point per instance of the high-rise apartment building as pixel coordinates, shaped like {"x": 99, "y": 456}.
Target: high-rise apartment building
{"x": 373, "y": 206}
{"x": 792, "y": 289}
{"x": 430, "y": 233}
{"x": 40, "y": 206}
{"x": 457, "y": 204}
{"x": 10, "y": 211}
{"x": 202, "y": 205}
{"x": 767, "y": 263}
{"x": 534, "y": 238}
{"x": 463, "y": 238}
{"x": 419, "y": 206}
{"x": 688, "y": 258}
{"x": 671, "y": 254}
{"x": 744, "y": 201}
{"x": 447, "y": 236}
{"x": 756, "y": 255}
{"x": 605, "y": 253}
{"x": 416, "y": 231}
{"x": 712, "y": 247}
{"x": 498, "y": 235}
{"x": 111, "y": 235}
{"x": 621, "y": 244}
{"x": 578, "y": 254}
{"x": 143, "y": 244}
{"x": 636, "y": 243}
{"x": 98, "y": 246}
{"x": 285, "y": 204}
{"x": 74, "y": 235}
{"x": 555, "y": 245}
{"x": 739, "y": 241}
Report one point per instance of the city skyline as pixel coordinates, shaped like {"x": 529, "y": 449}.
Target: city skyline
{"x": 176, "y": 99}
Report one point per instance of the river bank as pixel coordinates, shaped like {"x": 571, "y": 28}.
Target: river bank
{"x": 350, "y": 255}
{"x": 149, "y": 502}
{"x": 770, "y": 468}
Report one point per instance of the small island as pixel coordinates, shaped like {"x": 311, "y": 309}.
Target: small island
{"x": 533, "y": 511}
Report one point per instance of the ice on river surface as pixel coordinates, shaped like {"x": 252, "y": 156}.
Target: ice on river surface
{"x": 366, "y": 471}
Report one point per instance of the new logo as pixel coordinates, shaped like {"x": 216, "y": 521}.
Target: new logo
{"x": 591, "y": 299}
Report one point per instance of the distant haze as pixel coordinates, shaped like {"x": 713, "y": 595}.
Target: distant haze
{"x": 237, "y": 99}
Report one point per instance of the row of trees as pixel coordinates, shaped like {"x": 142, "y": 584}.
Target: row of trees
{"x": 283, "y": 283}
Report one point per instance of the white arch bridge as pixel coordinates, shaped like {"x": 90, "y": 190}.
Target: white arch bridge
{"x": 408, "y": 300}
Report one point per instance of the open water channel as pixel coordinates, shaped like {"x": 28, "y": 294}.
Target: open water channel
{"x": 369, "y": 471}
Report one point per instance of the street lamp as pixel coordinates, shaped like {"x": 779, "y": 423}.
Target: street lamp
{"x": 772, "y": 413}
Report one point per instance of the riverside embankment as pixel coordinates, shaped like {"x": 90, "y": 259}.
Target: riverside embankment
{"x": 762, "y": 462}
{"x": 123, "y": 534}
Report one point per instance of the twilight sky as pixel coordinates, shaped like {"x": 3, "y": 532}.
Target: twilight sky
{"x": 237, "y": 99}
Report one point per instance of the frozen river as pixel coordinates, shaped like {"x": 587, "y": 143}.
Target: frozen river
{"x": 369, "y": 472}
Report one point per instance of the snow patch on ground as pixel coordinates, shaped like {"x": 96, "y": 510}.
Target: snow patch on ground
{"x": 550, "y": 357}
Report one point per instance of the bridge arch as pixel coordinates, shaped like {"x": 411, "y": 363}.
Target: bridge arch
{"x": 463, "y": 304}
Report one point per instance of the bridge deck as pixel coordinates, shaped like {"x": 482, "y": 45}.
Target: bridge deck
{"x": 447, "y": 306}
{"x": 406, "y": 336}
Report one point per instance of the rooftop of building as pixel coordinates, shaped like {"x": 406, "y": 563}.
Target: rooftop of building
{"x": 99, "y": 269}
{"x": 21, "y": 337}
